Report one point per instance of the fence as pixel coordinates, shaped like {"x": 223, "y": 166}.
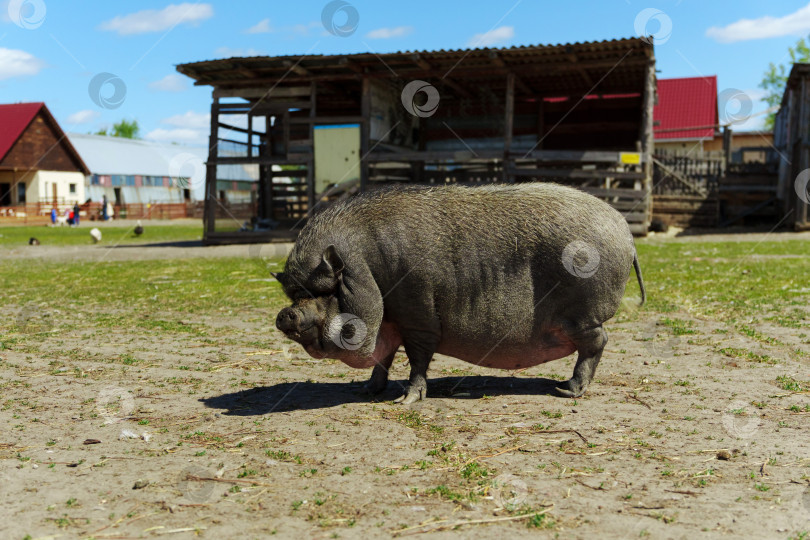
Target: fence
{"x": 684, "y": 175}
{"x": 40, "y": 213}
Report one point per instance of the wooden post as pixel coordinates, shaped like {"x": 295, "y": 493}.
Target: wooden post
{"x": 365, "y": 132}
{"x": 726, "y": 146}
{"x": 508, "y": 122}
{"x": 286, "y": 128}
{"x": 210, "y": 205}
{"x": 647, "y": 140}
{"x": 311, "y": 162}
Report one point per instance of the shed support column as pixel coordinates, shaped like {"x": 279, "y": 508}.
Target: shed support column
{"x": 311, "y": 162}
{"x": 509, "y": 121}
{"x": 210, "y": 205}
{"x": 647, "y": 135}
{"x": 365, "y": 133}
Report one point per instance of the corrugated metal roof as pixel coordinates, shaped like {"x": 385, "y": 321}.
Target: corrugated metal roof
{"x": 689, "y": 102}
{"x": 116, "y": 155}
{"x": 553, "y": 68}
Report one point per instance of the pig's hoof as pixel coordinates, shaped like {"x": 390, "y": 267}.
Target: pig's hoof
{"x": 569, "y": 389}
{"x": 412, "y": 396}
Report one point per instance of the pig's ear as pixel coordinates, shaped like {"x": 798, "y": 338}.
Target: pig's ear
{"x": 333, "y": 261}
{"x": 280, "y": 277}
{"x": 359, "y": 295}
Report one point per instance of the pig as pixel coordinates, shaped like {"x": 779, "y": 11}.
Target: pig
{"x": 504, "y": 276}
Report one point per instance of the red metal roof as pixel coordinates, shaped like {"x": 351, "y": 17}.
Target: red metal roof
{"x": 689, "y": 102}
{"x": 14, "y": 118}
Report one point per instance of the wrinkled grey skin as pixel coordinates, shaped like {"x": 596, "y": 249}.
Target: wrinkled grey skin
{"x": 477, "y": 273}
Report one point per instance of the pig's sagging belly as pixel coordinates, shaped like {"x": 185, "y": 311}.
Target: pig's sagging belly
{"x": 550, "y": 345}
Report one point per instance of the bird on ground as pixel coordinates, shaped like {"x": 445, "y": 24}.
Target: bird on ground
{"x": 138, "y": 230}
{"x": 96, "y": 234}
{"x": 33, "y": 241}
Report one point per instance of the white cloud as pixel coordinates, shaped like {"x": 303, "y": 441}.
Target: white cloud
{"x": 189, "y": 119}
{"x": 17, "y": 63}
{"x": 184, "y": 135}
{"x": 227, "y": 52}
{"x": 152, "y": 20}
{"x": 261, "y": 27}
{"x": 493, "y": 37}
{"x": 83, "y": 117}
{"x": 388, "y": 33}
{"x": 795, "y": 24}
{"x": 173, "y": 82}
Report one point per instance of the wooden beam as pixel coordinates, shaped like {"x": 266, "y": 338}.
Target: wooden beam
{"x": 457, "y": 88}
{"x": 509, "y": 125}
{"x": 498, "y": 61}
{"x": 209, "y": 210}
{"x": 258, "y": 93}
{"x": 365, "y": 132}
{"x": 296, "y": 68}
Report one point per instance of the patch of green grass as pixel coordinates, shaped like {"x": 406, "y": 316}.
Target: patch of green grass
{"x": 792, "y": 385}
{"x": 725, "y": 280}
{"x": 111, "y": 235}
{"x": 142, "y": 287}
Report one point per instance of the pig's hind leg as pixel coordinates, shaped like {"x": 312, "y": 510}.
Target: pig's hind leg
{"x": 379, "y": 376}
{"x": 590, "y": 343}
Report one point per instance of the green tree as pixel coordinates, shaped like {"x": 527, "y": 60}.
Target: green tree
{"x": 126, "y": 129}
{"x": 775, "y": 78}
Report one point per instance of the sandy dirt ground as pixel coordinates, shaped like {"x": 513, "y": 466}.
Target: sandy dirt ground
{"x": 228, "y": 430}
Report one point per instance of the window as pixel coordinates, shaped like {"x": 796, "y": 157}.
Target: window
{"x": 95, "y": 180}
{"x": 72, "y": 189}
{"x": 130, "y": 180}
{"x": 117, "y": 180}
{"x": 21, "y": 193}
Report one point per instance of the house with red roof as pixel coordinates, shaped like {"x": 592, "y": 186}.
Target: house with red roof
{"x": 685, "y": 117}
{"x": 38, "y": 163}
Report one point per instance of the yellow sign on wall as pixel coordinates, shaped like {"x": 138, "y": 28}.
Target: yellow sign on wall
{"x": 630, "y": 158}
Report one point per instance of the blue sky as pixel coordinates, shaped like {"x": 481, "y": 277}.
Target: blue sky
{"x": 50, "y": 50}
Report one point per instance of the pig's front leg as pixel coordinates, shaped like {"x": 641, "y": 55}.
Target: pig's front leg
{"x": 419, "y": 356}
{"x": 379, "y": 376}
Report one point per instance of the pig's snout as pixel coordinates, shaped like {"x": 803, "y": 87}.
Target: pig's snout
{"x": 288, "y": 321}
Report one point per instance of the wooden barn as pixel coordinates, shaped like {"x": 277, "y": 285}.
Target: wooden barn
{"x": 579, "y": 114}
{"x": 39, "y": 167}
{"x": 792, "y": 141}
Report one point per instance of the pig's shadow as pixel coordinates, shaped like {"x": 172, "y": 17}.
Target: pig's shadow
{"x": 292, "y": 396}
